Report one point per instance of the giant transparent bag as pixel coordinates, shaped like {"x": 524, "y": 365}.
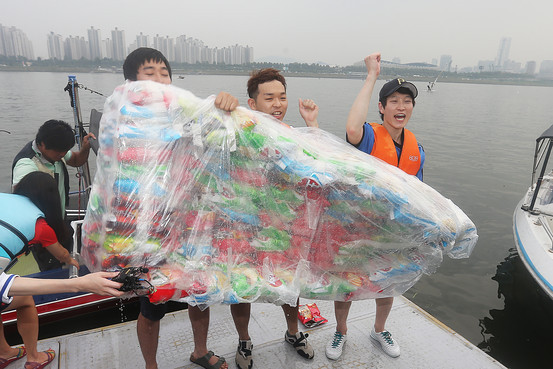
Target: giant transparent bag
{"x": 238, "y": 207}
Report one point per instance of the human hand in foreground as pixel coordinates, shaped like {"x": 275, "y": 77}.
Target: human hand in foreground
{"x": 226, "y": 101}
{"x": 99, "y": 283}
{"x": 372, "y": 62}
{"x": 358, "y": 113}
{"x": 309, "y": 111}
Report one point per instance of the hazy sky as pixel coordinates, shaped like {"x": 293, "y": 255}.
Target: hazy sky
{"x": 335, "y": 32}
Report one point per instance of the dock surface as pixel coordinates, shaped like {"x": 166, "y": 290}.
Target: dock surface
{"x": 424, "y": 341}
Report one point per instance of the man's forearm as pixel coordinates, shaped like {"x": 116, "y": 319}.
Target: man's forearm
{"x": 359, "y": 110}
{"x": 79, "y": 157}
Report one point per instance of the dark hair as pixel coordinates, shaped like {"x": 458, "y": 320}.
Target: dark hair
{"x": 56, "y": 135}
{"x": 401, "y": 90}
{"x": 140, "y": 56}
{"x": 261, "y": 76}
{"x": 42, "y": 190}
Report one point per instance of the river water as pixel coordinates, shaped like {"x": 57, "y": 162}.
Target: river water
{"x": 479, "y": 142}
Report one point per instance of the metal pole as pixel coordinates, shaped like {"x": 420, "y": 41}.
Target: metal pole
{"x": 83, "y": 171}
{"x": 540, "y": 178}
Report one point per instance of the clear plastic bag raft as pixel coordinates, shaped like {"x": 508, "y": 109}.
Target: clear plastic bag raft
{"x": 238, "y": 207}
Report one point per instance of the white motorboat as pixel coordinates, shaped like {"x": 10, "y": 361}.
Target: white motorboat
{"x": 533, "y": 217}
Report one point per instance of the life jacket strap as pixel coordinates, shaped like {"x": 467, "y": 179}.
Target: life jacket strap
{"x": 24, "y": 249}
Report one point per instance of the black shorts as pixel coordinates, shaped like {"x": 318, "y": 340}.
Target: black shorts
{"x": 152, "y": 311}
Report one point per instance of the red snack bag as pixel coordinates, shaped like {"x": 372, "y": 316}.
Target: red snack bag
{"x": 310, "y": 315}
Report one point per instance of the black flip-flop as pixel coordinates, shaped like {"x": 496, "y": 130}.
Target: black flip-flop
{"x": 204, "y": 361}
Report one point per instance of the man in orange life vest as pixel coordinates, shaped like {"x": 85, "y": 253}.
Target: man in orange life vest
{"x": 393, "y": 143}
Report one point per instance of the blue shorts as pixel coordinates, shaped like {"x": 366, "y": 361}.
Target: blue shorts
{"x": 152, "y": 311}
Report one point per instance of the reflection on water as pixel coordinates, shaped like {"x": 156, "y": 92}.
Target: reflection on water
{"x": 520, "y": 335}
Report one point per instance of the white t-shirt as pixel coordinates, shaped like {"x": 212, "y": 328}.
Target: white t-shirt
{"x": 6, "y": 281}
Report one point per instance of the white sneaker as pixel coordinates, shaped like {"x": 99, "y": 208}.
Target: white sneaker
{"x": 335, "y": 346}
{"x": 387, "y": 343}
{"x": 244, "y": 354}
{"x": 299, "y": 341}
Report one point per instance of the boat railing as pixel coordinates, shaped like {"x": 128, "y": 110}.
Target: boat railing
{"x": 75, "y": 213}
{"x": 544, "y": 144}
{"x": 75, "y": 252}
{"x": 547, "y": 228}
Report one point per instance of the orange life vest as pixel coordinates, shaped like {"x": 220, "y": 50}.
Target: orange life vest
{"x": 385, "y": 149}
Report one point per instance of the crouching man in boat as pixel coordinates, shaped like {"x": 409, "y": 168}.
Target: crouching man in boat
{"x": 150, "y": 64}
{"x": 393, "y": 143}
{"x": 267, "y": 94}
{"x": 50, "y": 153}
{"x": 32, "y": 216}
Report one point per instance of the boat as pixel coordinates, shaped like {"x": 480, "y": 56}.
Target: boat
{"x": 533, "y": 217}
{"x": 61, "y": 306}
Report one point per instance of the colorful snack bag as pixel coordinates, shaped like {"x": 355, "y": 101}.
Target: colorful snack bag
{"x": 310, "y": 315}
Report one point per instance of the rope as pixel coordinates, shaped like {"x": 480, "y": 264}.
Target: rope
{"x": 91, "y": 90}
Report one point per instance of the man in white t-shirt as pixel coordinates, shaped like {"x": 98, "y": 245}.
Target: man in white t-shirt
{"x": 50, "y": 152}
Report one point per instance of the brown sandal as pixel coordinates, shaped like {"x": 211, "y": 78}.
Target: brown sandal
{"x": 204, "y": 361}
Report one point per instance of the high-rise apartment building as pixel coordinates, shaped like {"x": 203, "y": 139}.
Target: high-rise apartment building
{"x": 142, "y": 40}
{"x": 55, "y": 46}
{"x": 95, "y": 43}
{"x": 107, "y": 48}
{"x": 503, "y": 53}
{"x": 14, "y": 42}
{"x": 76, "y": 48}
{"x": 166, "y": 45}
{"x": 445, "y": 63}
{"x": 119, "y": 46}
{"x": 188, "y": 50}
{"x": 248, "y": 54}
{"x": 181, "y": 50}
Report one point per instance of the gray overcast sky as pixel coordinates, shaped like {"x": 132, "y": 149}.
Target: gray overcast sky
{"x": 336, "y": 32}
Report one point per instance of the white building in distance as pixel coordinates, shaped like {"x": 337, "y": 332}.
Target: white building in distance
{"x": 95, "y": 43}
{"x": 56, "y": 49}
{"x": 14, "y": 42}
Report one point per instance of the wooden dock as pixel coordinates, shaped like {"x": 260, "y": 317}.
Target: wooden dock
{"x": 425, "y": 342}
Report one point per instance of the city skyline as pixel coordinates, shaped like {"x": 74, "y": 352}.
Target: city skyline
{"x": 185, "y": 49}
{"x": 181, "y": 49}
{"x": 310, "y": 31}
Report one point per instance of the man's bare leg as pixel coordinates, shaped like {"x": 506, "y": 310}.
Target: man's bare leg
{"x": 148, "y": 335}
{"x": 200, "y": 325}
